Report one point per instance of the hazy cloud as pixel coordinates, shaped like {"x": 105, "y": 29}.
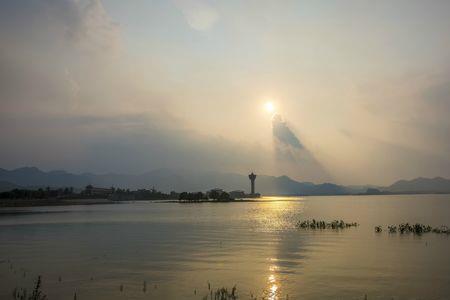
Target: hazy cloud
{"x": 120, "y": 143}
{"x": 292, "y": 157}
{"x": 90, "y": 26}
{"x": 199, "y": 14}
{"x": 371, "y": 101}
{"x": 283, "y": 133}
{"x": 83, "y": 23}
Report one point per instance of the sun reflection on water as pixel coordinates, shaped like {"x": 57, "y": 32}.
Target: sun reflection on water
{"x": 276, "y": 213}
{"x": 272, "y": 290}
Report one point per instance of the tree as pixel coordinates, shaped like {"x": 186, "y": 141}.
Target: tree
{"x": 214, "y": 194}
{"x": 224, "y": 196}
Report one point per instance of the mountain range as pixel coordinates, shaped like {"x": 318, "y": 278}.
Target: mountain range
{"x": 186, "y": 180}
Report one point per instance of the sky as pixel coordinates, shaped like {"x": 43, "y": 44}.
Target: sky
{"x": 360, "y": 89}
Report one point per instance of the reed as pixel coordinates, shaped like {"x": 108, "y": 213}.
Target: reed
{"x": 224, "y": 294}
{"x": 417, "y": 229}
{"x": 441, "y": 229}
{"x": 320, "y": 224}
{"x": 220, "y": 294}
{"x": 37, "y": 294}
{"x": 392, "y": 228}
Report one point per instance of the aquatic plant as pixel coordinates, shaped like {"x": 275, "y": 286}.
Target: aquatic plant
{"x": 220, "y": 294}
{"x": 320, "y": 224}
{"x": 392, "y": 228}
{"x": 417, "y": 229}
{"x": 441, "y": 229}
{"x": 19, "y": 294}
{"x": 37, "y": 294}
{"x": 224, "y": 294}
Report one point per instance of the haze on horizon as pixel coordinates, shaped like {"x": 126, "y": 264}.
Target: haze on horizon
{"x": 360, "y": 89}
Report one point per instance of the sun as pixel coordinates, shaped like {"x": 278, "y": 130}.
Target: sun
{"x": 269, "y": 107}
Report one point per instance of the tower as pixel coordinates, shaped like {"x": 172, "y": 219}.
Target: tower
{"x": 252, "y": 178}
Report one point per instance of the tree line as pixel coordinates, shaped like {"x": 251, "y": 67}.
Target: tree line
{"x": 115, "y": 194}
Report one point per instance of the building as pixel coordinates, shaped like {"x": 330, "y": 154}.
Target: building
{"x": 252, "y": 178}
{"x": 253, "y": 193}
{"x": 97, "y": 191}
{"x": 237, "y": 194}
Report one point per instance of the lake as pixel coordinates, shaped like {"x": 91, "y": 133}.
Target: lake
{"x": 109, "y": 251}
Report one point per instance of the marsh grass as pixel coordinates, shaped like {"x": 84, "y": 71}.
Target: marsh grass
{"x": 221, "y": 293}
{"x": 321, "y": 225}
{"x": 392, "y": 229}
{"x": 37, "y": 294}
{"x": 416, "y": 229}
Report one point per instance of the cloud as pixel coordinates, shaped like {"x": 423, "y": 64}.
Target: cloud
{"x": 66, "y": 104}
{"x": 82, "y": 24}
{"x": 284, "y": 134}
{"x": 120, "y": 143}
{"x": 52, "y": 53}
{"x": 292, "y": 156}
{"x": 90, "y": 26}
{"x": 68, "y": 94}
{"x": 199, "y": 14}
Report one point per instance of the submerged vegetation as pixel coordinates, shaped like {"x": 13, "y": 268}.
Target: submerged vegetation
{"x": 417, "y": 229}
{"x": 319, "y": 224}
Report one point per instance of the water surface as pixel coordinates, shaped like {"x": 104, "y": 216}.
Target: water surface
{"x": 178, "y": 248}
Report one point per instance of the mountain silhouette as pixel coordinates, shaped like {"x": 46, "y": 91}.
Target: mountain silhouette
{"x": 167, "y": 180}
{"x": 421, "y": 185}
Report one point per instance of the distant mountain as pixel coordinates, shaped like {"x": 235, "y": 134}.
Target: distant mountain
{"x": 420, "y": 185}
{"x": 187, "y": 180}
{"x": 168, "y": 180}
{"x": 284, "y": 185}
{"x": 31, "y": 176}
{"x": 8, "y": 186}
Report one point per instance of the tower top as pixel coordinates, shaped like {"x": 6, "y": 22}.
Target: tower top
{"x": 252, "y": 176}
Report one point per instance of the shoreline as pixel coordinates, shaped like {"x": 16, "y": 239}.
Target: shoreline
{"x": 65, "y": 202}
{"x": 11, "y": 203}
{"x": 22, "y": 203}
{"x": 52, "y": 202}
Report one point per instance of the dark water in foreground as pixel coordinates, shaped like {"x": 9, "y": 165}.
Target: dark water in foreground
{"x": 178, "y": 248}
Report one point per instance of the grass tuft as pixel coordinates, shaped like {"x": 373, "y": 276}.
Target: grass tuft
{"x": 320, "y": 224}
